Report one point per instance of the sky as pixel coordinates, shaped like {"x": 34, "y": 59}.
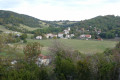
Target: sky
{"x": 74, "y": 10}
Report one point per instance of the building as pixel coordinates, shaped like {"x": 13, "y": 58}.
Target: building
{"x": 60, "y": 35}
{"x": 67, "y": 36}
{"x": 66, "y": 31}
{"x": 85, "y": 36}
{"x": 43, "y": 60}
{"x": 72, "y": 35}
{"x": 82, "y": 36}
{"x": 49, "y": 35}
{"x": 13, "y": 62}
{"x": 39, "y": 37}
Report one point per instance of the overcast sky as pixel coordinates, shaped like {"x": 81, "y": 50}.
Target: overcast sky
{"x": 62, "y": 9}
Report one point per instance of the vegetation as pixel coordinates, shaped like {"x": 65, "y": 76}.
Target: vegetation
{"x": 108, "y": 25}
{"x": 84, "y": 46}
{"x": 66, "y": 64}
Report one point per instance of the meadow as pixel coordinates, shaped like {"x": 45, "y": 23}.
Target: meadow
{"x": 84, "y": 46}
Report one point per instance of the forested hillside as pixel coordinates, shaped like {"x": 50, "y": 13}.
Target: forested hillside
{"x": 23, "y": 23}
{"x": 8, "y": 17}
{"x": 103, "y": 22}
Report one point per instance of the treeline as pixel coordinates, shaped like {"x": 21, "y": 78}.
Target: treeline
{"x": 104, "y": 23}
{"x": 67, "y": 64}
{"x": 47, "y": 30}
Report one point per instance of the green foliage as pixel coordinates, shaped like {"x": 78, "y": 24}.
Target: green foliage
{"x": 23, "y": 71}
{"x": 64, "y": 69}
{"x": 23, "y": 36}
{"x": 8, "y": 17}
{"x": 48, "y": 30}
{"x": 105, "y": 69}
{"x": 32, "y": 50}
{"x": 107, "y": 35}
{"x": 83, "y": 71}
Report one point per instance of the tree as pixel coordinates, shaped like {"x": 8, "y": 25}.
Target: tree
{"x": 23, "y": 36}
{"x": 83, "y": 71}
{"x": 32, "y": 50}
{"x": 64, "y": 35}
{"x": 64, "y": 68}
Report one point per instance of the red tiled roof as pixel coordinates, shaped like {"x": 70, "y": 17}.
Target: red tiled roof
{"x": 87, "y": 35}
{"x": 43, "y": 57}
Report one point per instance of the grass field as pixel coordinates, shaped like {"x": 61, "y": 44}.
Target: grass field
{"x": 84, "y": 46}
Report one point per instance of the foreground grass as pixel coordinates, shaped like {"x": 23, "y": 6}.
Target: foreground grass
{"x": 84, "y": 46}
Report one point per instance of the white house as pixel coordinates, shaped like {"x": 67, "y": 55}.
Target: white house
{"x": 68, "y": 28}
{"x": 82, "y": 36}
{"x": 72, "y": 35}
{"x": 50, "y": 35}
{"x": 85, "y": 36}
{"x": 60, "y": 35}
{"x": 66, "y": 31}
{"x": 13, "y": 62}
{"x": 42, "y": 60}
{"x": 67, "y": 36}
{"x": 18, "y": 35}
{"x": 38, "y": 37}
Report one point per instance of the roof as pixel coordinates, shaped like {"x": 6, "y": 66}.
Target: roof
{"x": 43, "y": 57}
{"x": 87, "y": 35}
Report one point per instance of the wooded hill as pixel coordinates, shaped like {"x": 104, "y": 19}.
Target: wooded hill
{"x": 13, "y": 21}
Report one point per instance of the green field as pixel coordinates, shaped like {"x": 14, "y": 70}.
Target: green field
{"x": 84, "y": 46}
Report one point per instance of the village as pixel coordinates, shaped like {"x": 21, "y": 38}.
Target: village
{"x": 64, "y": 35}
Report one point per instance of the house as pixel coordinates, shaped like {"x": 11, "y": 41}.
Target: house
{"x": 67, "y": 36}
{"x": 82, "y": 36}
{"x": 13, "y": 62}
{"x": 38, "y": 37}
{"x": 60, "y": 35}
{"x": 72, "y": 35}
{"x": 85, "y": 36}
{"x": 49, "y": 35}
{"x": 43, "y": 60}
{"x": 68, "y": 28}
{"x": 99, "y": 32}
{"x": 18, "y": 35}
{"x": 66, "y": 31}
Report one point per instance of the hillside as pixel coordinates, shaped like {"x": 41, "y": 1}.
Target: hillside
{"x": 19, "y": 22}
{"x": 107, "y": 22}
{"x": 23, "y": 23}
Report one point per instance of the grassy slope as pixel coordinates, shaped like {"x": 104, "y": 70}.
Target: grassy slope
{"x": 2, "y": 28}
{"x": 28, "y": 28}
{"x": 81, "y": 45}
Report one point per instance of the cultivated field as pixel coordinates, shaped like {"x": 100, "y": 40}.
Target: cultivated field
{"x": 84, "y": 46}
